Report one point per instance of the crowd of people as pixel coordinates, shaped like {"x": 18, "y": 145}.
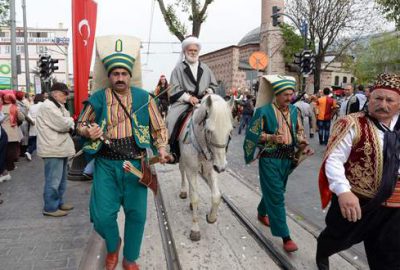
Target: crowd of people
{"x": 121, "y": 122}
{"x": 18, "y": 130}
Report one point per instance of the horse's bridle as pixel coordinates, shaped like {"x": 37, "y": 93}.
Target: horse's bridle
{"x": 206, "y": 151}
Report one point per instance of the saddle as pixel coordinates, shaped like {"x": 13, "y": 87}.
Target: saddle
{"x": 176, "y": 133}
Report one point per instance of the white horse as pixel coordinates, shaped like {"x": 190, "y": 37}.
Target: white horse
{"x": 203, "y": 147}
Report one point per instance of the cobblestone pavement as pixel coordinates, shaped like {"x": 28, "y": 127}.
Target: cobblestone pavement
{"x": 29, "y": 240}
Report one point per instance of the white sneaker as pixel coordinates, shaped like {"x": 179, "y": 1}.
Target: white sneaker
{"x": 5, "y": 177}
{"x": 28, "y": 156}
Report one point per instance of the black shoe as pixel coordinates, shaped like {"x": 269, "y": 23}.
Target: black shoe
{"x": 322, "y": 263}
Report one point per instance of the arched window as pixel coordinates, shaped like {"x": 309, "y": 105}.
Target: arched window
{"x": 344, "y": 79}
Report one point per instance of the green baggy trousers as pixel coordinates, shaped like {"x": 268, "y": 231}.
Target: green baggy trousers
{"x": 113, "y": 188}
{"x": 274, "y": 174}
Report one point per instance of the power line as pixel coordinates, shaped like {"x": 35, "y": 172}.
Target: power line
{"x": 150, "y": 30}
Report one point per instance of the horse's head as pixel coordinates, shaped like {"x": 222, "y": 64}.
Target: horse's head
{"x": 216, "y": 117}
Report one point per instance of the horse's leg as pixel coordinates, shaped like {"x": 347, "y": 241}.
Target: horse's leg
{"x": 183, "y": 193}
{"x": 212, "y": 181}
{"x": 194, "y": 203}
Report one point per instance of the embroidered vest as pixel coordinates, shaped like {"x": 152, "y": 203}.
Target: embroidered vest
{"x": 266, "y": 115}
{"x": 365, "y": 164}
{"x": 140, "y": 118}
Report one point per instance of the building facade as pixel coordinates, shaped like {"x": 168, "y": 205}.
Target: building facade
{"x": 41, "y": 41}
{"x": 232, "y": 70}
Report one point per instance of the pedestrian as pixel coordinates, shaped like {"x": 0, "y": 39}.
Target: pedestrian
{"x": 275, "y": 129}
{"x": 13, "y": 117}
{"x": 247, "y": 113}
{"x": 359, "y": 176}
{"x": 32, "y": 113}
{"x": 129, "y": 118}
{"x": 4, "y": 175}
{"x": 307, "y": 114}
{"x": 55, "y": 146}
{"x": 24, "y": 126}
{"x": 350, "y": 102}
{"x": 326, "y": 110}
{"x": 191, "y": 80}
{"x": 361, "y": 95}
{"x": 162, "y": 95}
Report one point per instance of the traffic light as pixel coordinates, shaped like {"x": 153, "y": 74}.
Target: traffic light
{"x": 275, "y": 15}
{"x": 297, "y": 59}
{"x": 44, "y": 66}
{"x": 307, "y": 63}
{"x": 53, "y": 66}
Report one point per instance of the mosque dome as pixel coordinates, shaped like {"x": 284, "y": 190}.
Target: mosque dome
{"x": 252, "y": 37}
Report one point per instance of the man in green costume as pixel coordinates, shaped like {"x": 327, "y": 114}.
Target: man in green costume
{"x": 276, "y": 131}
{"x": 128, "y": 118}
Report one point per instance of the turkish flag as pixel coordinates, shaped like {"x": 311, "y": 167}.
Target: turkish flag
{"x": 84, "y": 14}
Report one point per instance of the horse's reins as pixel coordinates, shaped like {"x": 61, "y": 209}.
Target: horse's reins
{"x": 207, "y": 141}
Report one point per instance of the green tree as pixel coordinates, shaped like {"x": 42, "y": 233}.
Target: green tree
{"x": 380, "y": 54}
{"x": 391, "y": 10}
{"x": 333, "y": 25}
{"x": 294, "y": 43}
{"x": 4, "y": 12}
{"x": 195, "y": 11}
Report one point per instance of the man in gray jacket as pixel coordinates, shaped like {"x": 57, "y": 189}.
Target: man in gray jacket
{"x": 55, "y": 145}
{"x": 191, "y": 80}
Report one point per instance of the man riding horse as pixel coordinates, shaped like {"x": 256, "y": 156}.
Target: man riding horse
{"x": 191, "y": 80}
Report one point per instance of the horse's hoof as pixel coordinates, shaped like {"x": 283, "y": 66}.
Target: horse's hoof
{"x": 195, "y": 236}
{"x": 183, "y": 195}
{"x": 210, "y": 221}
{"x": 191, "y": 206}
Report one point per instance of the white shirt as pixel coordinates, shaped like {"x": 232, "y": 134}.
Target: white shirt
{"x": 334, "y": 166}
{"x": 362, "y": 99}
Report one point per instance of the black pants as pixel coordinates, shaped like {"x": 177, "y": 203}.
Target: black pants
{"x": 379, "y": 228}
{"x": 3, "y": 150}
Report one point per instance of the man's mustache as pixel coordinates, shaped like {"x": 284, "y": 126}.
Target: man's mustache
{"x": 381, "y": 109}
{"x": 120, "y": 82}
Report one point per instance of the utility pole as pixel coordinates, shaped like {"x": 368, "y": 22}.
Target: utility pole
{"x": 26, "y": 49}
{"x": 13, "y": 28}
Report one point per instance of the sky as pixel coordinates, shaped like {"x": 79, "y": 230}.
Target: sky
{"x": 227, "y": 22}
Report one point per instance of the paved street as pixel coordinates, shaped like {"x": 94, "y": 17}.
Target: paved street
{"x": 28, "y": 240}
{"x": 302, "y": 195}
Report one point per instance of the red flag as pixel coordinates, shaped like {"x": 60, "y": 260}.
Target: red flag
{"x": 84, "y": 13}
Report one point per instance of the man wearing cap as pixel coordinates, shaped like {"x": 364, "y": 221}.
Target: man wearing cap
{"x": 55, "y": 145}
{"x": 275, "y": 129}
{"x": 128, "y": 118}
{"x": 191, "y": 80}
{"x": 359, "y": 176}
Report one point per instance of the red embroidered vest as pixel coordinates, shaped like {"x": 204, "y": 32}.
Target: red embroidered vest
{"x": 364, "y": 166}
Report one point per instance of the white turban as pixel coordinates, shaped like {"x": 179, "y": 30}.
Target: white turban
{"x": 189, "y": 41}
{"x": 186, "y": 42}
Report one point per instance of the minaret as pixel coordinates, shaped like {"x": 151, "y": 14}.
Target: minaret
{"x": 271, "y": 41}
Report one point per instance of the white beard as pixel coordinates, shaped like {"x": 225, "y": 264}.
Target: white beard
{"x": 191, "y": 60}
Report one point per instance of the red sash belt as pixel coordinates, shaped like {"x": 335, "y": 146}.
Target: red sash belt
{"x": 394, "y": 200}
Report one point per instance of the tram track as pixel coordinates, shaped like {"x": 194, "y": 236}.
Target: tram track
{"x": 311, "y": 228}
{"x": 167, "y": 239}
{"x": 257, "y": 235}
{"x": 238, "y": 208}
